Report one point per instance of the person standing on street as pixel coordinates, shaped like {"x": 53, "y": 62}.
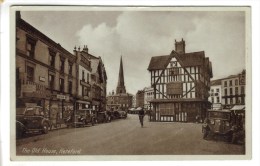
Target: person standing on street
{"x": 141, "y": 117}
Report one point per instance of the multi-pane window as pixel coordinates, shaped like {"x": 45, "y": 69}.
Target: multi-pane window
{"x": 231, "y": 91}
{"x": 52, "y": 60}
{"x": 70, "y": 87}
{"x": 231, "y": 100}
{"x": 70, "y": 68}
{"x": 52, "y": 57}
{"x": 225, "y": 83}
{"x": 87, "y": 77}
{"x": 51, "y": 81}
{"x": 83, "y": 75}
{"x": 30, "y": 73}
{"x": 230, "y": 83}
{"x": 217, "y": 99}
{"x": 242, "y": 90}
{"x": 61, "y": 84}
{"x": 62, "y": 62}
{"x": 236, "y": 90}
{"x": 236, "y": 82}
{"x": 212, "y": 99}
{"x": 217, "y": 90}
{"x": 225, "y": 91}
{"x": 174, "y": 71}
{"x": 30, "y": 48}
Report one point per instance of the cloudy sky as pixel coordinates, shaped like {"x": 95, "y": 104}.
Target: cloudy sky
{"x": 139, "y": 35}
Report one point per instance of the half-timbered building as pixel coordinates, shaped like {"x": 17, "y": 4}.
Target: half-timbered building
{"x": 181, "y": 82}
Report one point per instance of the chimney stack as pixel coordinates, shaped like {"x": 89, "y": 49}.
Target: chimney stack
{"x": 180, "y": 46}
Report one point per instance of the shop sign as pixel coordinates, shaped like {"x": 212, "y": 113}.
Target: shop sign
{"x": 28, "y": 88}
{"x": 42, "y": 79}
{"x": 63, "y": 97}
{"x": 84, "y": 83}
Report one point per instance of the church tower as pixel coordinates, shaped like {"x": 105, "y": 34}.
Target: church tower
{"x": 121, "y": 83}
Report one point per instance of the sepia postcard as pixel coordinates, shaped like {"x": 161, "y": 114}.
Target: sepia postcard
{"x": 130, "y": 83}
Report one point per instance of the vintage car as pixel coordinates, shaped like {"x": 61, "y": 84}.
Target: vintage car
{"x": 31, "y": 119}
{"x": 81, "y": 117}
{"x": 225, "y": 123}
{"x": 103, "y": 117}
{"x": 120, "y": 114}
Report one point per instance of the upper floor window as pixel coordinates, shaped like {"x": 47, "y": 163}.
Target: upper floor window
{"x": 225, "y": 91}
{"x": 212, "y": 99}
{"x": 231, "y": 91}
{"x": 88, "y": 77}
{"x": 174, "y": 71}
{"x": 217, "y": 99}
{"x": 70, "y": 68}
{"x": 230, "y": 83}
{"x": 70, "y": 87}
{"x": 242, "y": 90}
{"x": 30, "y": 73}
{"x": 51, "y": 81}
{"x": 231, "y": 100}
{"x": 225, "y": 83}
{"x": 217, "y": 90}
{"x": 83, "y": 75}
{"x": 236, "y": 82}
{"x": 61, "y": 84}
{"x": 30, "y": 47}
{"x": 236, "y": 90}
{"x": 62, "y": 63}
{"x": 52, "y": 60}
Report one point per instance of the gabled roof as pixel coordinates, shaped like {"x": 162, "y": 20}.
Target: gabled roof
{"x": 192, "y": 59}
{"x": 187, "y": 59}
{"x": 159, "y": 62}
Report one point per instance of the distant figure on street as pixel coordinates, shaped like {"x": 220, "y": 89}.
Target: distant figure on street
{"x": 141, "y": 117}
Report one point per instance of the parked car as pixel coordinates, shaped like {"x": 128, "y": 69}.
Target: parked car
{"x": 120, "y": 114}
{"x": 225, "y": 123}
{"x": 81, "y": 117}
{"x": 31, "y": 119}
{"x": 103, "y": 117}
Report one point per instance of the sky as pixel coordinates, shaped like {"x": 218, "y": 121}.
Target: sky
{"x": 139, "y": 35}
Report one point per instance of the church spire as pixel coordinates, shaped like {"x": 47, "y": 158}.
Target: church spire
{"x": 121, "y": 83}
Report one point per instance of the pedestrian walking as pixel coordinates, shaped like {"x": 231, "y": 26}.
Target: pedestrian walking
{"x": 141, "y": 117}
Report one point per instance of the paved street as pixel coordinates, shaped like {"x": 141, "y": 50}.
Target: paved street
{"x": 126, "y": 137}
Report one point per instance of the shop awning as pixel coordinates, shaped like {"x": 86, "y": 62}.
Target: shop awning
{"x": 238, "y": 107}
{"x": 82, "y": 102}
{"x": 138, "y": 109}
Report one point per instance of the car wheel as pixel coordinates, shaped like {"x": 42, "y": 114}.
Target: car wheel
{"x": 45, "y": 128}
